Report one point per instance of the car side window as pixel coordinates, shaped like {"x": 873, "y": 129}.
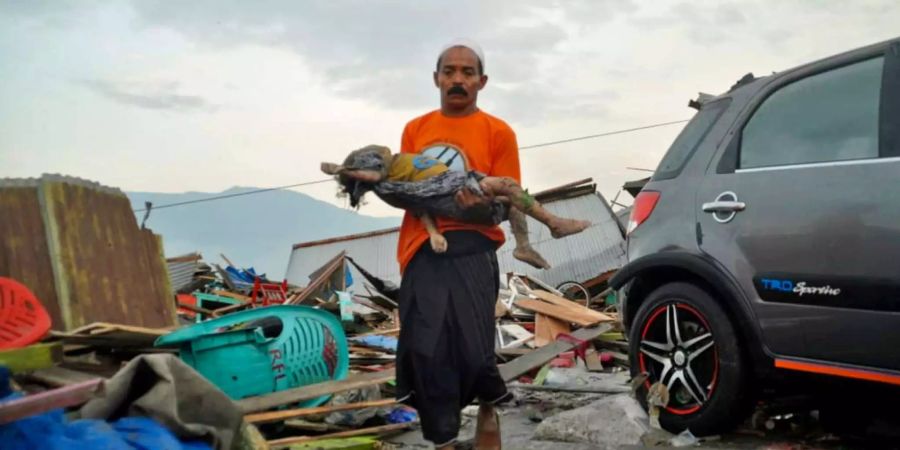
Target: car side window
{"x": 689, "y": 139}
{"x": 830, "y": 116}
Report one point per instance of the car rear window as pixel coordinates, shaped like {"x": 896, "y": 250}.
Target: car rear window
{"x": 689, "y": 139}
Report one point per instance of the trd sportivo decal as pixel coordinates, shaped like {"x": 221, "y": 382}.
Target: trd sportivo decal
{"x": 830, "y": 291}
{"x": 800, "y": 288}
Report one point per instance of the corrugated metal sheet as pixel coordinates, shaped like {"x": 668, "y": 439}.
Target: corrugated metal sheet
{"x": 24, "y": 255}
{"x": 182, "y": 269}
{"x": 104, "y": 268}
{"x": 597, "y": 250}
{"x": 579, "y": 257}
{"x": 624, "y": 215}
{"x": 376, "y": 253}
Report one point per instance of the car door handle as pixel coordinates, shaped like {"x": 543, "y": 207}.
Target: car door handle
{"x": 724, "y": 206}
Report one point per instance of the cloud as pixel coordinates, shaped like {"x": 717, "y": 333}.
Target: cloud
{"x": 384, "y": 52}
{"x": 162, "y": 97}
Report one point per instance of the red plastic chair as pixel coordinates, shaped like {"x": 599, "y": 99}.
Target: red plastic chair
{"x": 23, "y": 320}
{"x": 269, "y": 293}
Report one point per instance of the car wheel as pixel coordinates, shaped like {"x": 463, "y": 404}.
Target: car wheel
{"x": 682, "y": 338}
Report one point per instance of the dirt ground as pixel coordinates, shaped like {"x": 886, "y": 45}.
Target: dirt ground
{"x": 606, "y": 428}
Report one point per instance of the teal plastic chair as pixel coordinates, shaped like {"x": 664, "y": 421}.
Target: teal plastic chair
{"x": 265, "y": 350}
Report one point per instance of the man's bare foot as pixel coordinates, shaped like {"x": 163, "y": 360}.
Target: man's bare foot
{"x": 438, "y": 242}
{"x": 564, "y": 227}
{"x": 528, "y": 254}
{"x": 487, "y": 429}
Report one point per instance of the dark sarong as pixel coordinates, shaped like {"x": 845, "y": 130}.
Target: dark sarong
{"x": 445, "y": 357}
{"x": 435, "y": 196}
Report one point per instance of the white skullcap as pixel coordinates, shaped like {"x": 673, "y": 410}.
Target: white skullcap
{"x": 467, "y": 43}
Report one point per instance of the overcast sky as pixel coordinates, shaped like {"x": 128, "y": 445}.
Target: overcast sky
{"x": 173, "y": 96}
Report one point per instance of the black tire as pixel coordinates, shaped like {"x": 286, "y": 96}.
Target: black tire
{"x": 716, "y": 375}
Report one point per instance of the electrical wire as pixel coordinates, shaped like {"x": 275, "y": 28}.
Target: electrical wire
{"x": 307, "y": 183}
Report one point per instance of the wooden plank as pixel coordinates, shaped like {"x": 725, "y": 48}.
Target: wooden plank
{"x": 559, "y": 312}
{"x": 543, "y": 355}
{"x": 196, "y": 309}
{"x": 277, "y": 416}
{"x": 514, "y": 351}
{"x": 268, "y": 401}
{"x": 229, "y": 309}
{"x": 113, "y": 327}
{"x": 592, "y": 360}
{"x": 320, "y": 277}
{"x": 60, "y": 376}
{"x": 32, "y": 357}
{"x": 547, "y": 328}
{"x": 223, "y": 293}
{"x": 111, "y": 339}
{"x": 319, "y": 427}
{"x": 278, "y": 443}
{"x": 575, "y": 307}
{"x": 34, "y": 404}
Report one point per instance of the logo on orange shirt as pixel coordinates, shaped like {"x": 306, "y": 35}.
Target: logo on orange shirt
{"x": 448, "y": 154}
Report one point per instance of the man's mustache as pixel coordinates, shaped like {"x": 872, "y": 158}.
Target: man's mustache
{"x": 457, "y": 90}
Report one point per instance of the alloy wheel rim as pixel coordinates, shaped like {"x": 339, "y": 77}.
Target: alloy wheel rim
{"x": 678, "y": 349}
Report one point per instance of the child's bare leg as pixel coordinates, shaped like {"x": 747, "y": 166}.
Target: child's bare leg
{"x": 524, "y": 251}
{"x": 524, "y": 202}
{"x": 437, "y": 240}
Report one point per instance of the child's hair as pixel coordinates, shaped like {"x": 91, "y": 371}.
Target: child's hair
{"x": 371, "y": 157}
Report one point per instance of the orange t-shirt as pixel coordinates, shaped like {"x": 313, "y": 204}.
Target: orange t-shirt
{"x": 479, "y": 142}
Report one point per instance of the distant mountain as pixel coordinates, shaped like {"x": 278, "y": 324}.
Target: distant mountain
{"x": 252, "y": 230}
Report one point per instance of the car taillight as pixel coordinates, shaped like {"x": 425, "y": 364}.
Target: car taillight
{"x": 643, "y": 206}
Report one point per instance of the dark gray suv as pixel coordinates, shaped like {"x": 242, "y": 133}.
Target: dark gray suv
{"x": 768, "y": 240}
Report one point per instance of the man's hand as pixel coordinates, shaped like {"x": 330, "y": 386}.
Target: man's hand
{"x": 467, "y": 199}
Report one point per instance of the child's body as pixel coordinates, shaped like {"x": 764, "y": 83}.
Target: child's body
{"x": 427, "y": 187}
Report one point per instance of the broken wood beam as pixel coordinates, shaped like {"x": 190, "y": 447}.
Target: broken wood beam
{"x": 546, "y": 329}
{"x": 277, "y": 416}
{"x": 60, "y": 376}
{"x": 556, "y": 311}
{"x": 287, "y": 396}
{"x": 229, "y": 309}
{"x": 195, "y": 309}
{"x": 236, "y": 296}
{"x": 35, "y": 404}
{"x": 541, "y": 356}
{"x": 279, "y": 443}
{"x": 575, "y": 307}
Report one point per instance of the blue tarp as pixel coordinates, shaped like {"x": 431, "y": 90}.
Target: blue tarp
{"x": 50, "y": 431}
{"x": 385, "y": 342}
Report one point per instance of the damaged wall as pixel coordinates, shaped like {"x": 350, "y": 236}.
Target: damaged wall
{"x": 102, "y": 267}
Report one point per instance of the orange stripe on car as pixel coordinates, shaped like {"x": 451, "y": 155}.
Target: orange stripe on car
{"x": 859, "y": 374}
